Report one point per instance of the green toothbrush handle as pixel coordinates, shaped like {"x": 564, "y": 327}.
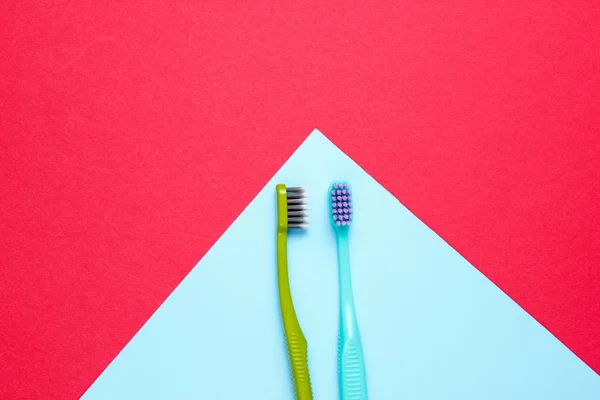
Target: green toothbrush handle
{"x": 295, "y": 340}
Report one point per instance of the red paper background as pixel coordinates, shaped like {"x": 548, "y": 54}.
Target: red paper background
{"x": 132, "y": 136}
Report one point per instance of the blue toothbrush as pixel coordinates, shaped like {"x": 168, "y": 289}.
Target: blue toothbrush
{"x": 352, "y": 376}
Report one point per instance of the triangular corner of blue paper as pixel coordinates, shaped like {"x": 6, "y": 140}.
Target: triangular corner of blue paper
{"x": 433, "y": 327}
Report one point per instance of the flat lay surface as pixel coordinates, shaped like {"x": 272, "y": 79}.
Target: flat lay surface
{"x": 124, "y": 128}
{"x": 433, "y": 327}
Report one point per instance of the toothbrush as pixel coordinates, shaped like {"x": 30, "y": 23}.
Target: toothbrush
{"x": 292, "y": 213}
{"x": 352, "y": 375}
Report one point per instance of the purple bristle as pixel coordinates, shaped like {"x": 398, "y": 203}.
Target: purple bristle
{"x": 341, "y": 204}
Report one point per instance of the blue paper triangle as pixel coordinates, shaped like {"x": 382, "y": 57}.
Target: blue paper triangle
{"x": 433, "y": 327}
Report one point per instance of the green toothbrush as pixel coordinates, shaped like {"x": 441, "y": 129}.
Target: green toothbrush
{"x": 292, "y": 213}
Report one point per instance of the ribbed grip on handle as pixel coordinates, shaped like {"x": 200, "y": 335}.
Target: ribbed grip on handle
{"x": 353, "y": 382}
{"x": 298, "y": 355}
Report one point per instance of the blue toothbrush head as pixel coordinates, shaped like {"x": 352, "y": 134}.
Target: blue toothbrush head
{"x": 341, "y": 205}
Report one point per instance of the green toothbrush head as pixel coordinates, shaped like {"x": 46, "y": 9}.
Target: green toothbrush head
{"x": 292, "y": 208}
{"x": 341, "y": 206}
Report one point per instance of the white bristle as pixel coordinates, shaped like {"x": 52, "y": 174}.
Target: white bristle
{"x": 302, "y": 213}
{"x": 295, "y": 195}
{"x": 297, "y": 208}
{"x": 299, "y": 226}
{"x": 301, "y": 200}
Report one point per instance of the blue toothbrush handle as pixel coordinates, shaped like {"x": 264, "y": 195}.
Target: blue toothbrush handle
{"x": 352, "y": 372}
{"x": 353, "y": 382}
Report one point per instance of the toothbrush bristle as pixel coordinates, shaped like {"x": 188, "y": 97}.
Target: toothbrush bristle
{"x": 341, "y": 204}
{"x": 297, "y": 208}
